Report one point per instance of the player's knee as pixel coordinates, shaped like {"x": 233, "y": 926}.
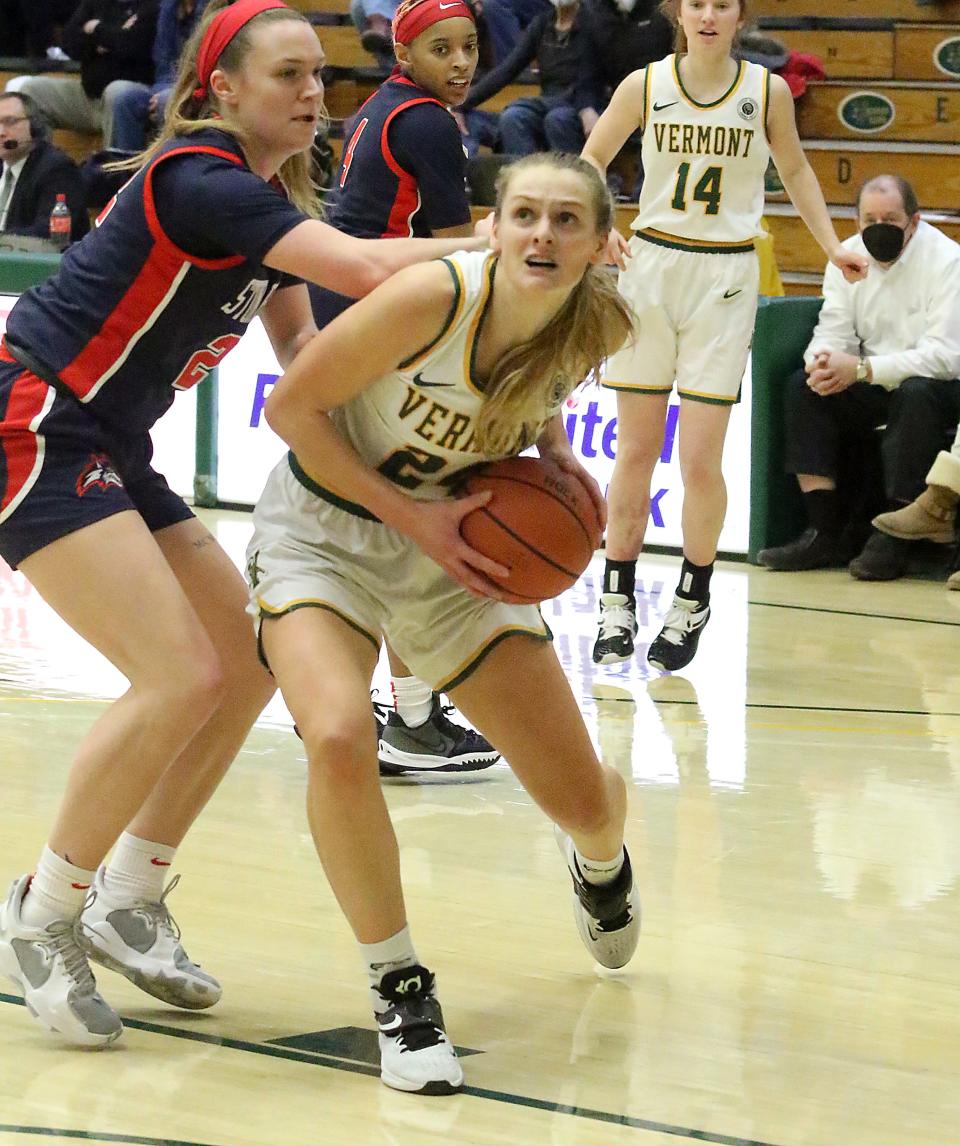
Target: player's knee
{"x": 338, "y": 749}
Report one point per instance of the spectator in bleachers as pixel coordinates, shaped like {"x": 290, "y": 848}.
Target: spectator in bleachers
{"x": 885, "y": 353}
{"x": 138, "y": 107}
{"x": 27, "y": 27}
{"x": 113, "y": 40}
{"x": 33, "y": 172}
{"x": 622, "y": 37}
{"x": 548, "y": 122}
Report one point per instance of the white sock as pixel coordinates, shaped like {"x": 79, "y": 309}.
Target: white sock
{"x": 57, "y": 891}
{"x": 138, "y": 869}
{"x": 413, "y": 700}
{"x": 381, "y": 958}
{"x": 599, "y": 872}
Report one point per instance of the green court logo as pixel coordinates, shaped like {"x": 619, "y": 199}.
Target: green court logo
{"x": 946, "y": 56}
{"x": 866, "y": 112}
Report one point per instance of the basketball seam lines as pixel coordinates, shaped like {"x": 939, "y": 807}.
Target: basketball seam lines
{"x": 549, "y": 493}
{"x": 526, "y": 544}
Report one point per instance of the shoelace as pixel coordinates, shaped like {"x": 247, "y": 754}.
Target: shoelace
{"x": 678, "y": 623}
{"x": 614, "y": 619}
{"x": 65, "y": 942}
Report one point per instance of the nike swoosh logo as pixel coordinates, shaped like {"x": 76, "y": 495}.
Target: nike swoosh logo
{"x": 731, "y": 293}
{"x": 419, "y": 380}
{"x": 662, "y": 106}
{"x": 396, "y": 1021}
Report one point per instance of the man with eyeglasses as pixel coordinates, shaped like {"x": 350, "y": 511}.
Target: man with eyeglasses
{"x": 33, "y": 172}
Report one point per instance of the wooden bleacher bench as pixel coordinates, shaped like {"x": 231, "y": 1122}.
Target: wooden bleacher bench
{"x": 847, "y": 53}
{"x": 927, "y": 52}
{"x": 841, "y": 167}
{"x": 342, "y": 48}
{"x": 340, "y": 7}
{"x": 797, "y": 250}
{"x": 898, "y": 110}
{"x": 853, "y": 9}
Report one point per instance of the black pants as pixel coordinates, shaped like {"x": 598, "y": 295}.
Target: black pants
{"x": 823, "y": 432}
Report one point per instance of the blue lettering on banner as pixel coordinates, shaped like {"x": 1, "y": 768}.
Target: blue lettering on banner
{"x": 591, "y": 418}
{"x": 264, "y": 382}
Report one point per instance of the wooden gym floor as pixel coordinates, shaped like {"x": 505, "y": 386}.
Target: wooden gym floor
{"x": 795, "y": 801}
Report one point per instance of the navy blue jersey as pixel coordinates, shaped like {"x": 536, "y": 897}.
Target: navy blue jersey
{"x": 403, "y": 168}
{"x": 162, "y": 288}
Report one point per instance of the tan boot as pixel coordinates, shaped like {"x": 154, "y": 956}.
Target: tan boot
{"x": 929, "y": 518}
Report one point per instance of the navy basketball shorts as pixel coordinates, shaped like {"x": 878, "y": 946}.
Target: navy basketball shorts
{"x": 61, "y": 470}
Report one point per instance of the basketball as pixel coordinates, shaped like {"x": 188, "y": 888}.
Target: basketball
{"x": 540, "y": 523}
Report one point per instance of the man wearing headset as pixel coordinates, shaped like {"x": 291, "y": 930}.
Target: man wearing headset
{"x": 33, "y": 172}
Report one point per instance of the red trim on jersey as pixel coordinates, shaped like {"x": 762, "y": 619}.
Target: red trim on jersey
{"x": 18, "y": 442}
{"x": 145, "y": 293}
{"x": 407, "y": 200}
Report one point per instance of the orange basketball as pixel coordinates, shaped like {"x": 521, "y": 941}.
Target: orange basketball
{"x": 540, "y": 523}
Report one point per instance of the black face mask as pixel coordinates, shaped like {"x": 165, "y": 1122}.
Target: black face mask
{"x": 884, "y": 241}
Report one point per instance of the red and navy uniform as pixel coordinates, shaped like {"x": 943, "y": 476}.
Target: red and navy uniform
{"x": 146, "y": 304}
{"x": 402, "y": 174}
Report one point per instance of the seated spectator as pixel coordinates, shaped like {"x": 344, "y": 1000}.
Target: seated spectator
{"x": 622, "y": 36}
{"x": 34, "y": 173}
{"x": 548, "y": 122}
{"x": 27, "y": 27}
{"x": 112, "y": 40}
{"x": 933, "y": 516}
{"x": 138, "y": 107}
{"x": 885, "y": 354}
{"x": 373, "y": 19}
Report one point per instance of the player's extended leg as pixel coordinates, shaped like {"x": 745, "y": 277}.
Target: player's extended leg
{"x": 703, "y": 428}
{"x": 551, "y": 753}
{"x": 419, "y": 740}
{"x": 110, "y": 582}
{"x": 128, "y": 926}
{"x": 323, "y": 667}
{"x": 640, "y": 421}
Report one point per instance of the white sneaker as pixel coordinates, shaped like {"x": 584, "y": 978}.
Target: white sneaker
{"x": 607, "y": 918}
{"x": 415, "y": 1053}
{"x": 50, "y": 968}
{"x": 617, "y": 629}
{"x": 142, "y": 942}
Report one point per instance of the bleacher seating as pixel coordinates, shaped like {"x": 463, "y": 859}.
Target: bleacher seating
{"x": 890, "y": 102}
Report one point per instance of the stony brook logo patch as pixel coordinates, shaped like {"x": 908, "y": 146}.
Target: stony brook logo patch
{"x": 98, "y": 473}
{"x": 946, "y": 57}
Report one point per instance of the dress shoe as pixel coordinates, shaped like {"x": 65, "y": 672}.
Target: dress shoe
{"x": 811, "y": 550}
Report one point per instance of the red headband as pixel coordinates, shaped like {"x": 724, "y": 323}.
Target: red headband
{"x": 220, "y": 31}
{"x": 408, "y": 23}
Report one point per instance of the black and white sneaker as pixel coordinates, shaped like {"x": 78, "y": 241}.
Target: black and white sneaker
{"x": 415, "y": 1053}
{"x": 607, "y": 917}
{"x": 436, "y": 748}
{"x": 676, "y": 645}
{"x": 618, "y": 627}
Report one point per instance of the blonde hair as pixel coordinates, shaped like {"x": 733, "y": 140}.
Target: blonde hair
{"x": 671, "y": 9}
{"x": 185, "y": 116}
{"x": 530, "y": 383}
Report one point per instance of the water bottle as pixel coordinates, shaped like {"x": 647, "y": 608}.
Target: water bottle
{"x": 60, "y": 224}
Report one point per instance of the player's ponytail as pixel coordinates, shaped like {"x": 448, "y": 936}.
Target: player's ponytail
{"x": 189, "y": 112}
{"x": 530, "y": 383}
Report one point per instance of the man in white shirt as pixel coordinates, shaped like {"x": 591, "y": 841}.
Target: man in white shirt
{"x": 885, "y": 353}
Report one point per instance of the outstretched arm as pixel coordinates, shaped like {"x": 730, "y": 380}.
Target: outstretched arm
{"x": 321, "y": 254}
{"x": 801, "y": 184}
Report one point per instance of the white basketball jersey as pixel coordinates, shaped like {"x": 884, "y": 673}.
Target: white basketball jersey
{"x": 416, "y": 424}
{"x": 703, "y": 164}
